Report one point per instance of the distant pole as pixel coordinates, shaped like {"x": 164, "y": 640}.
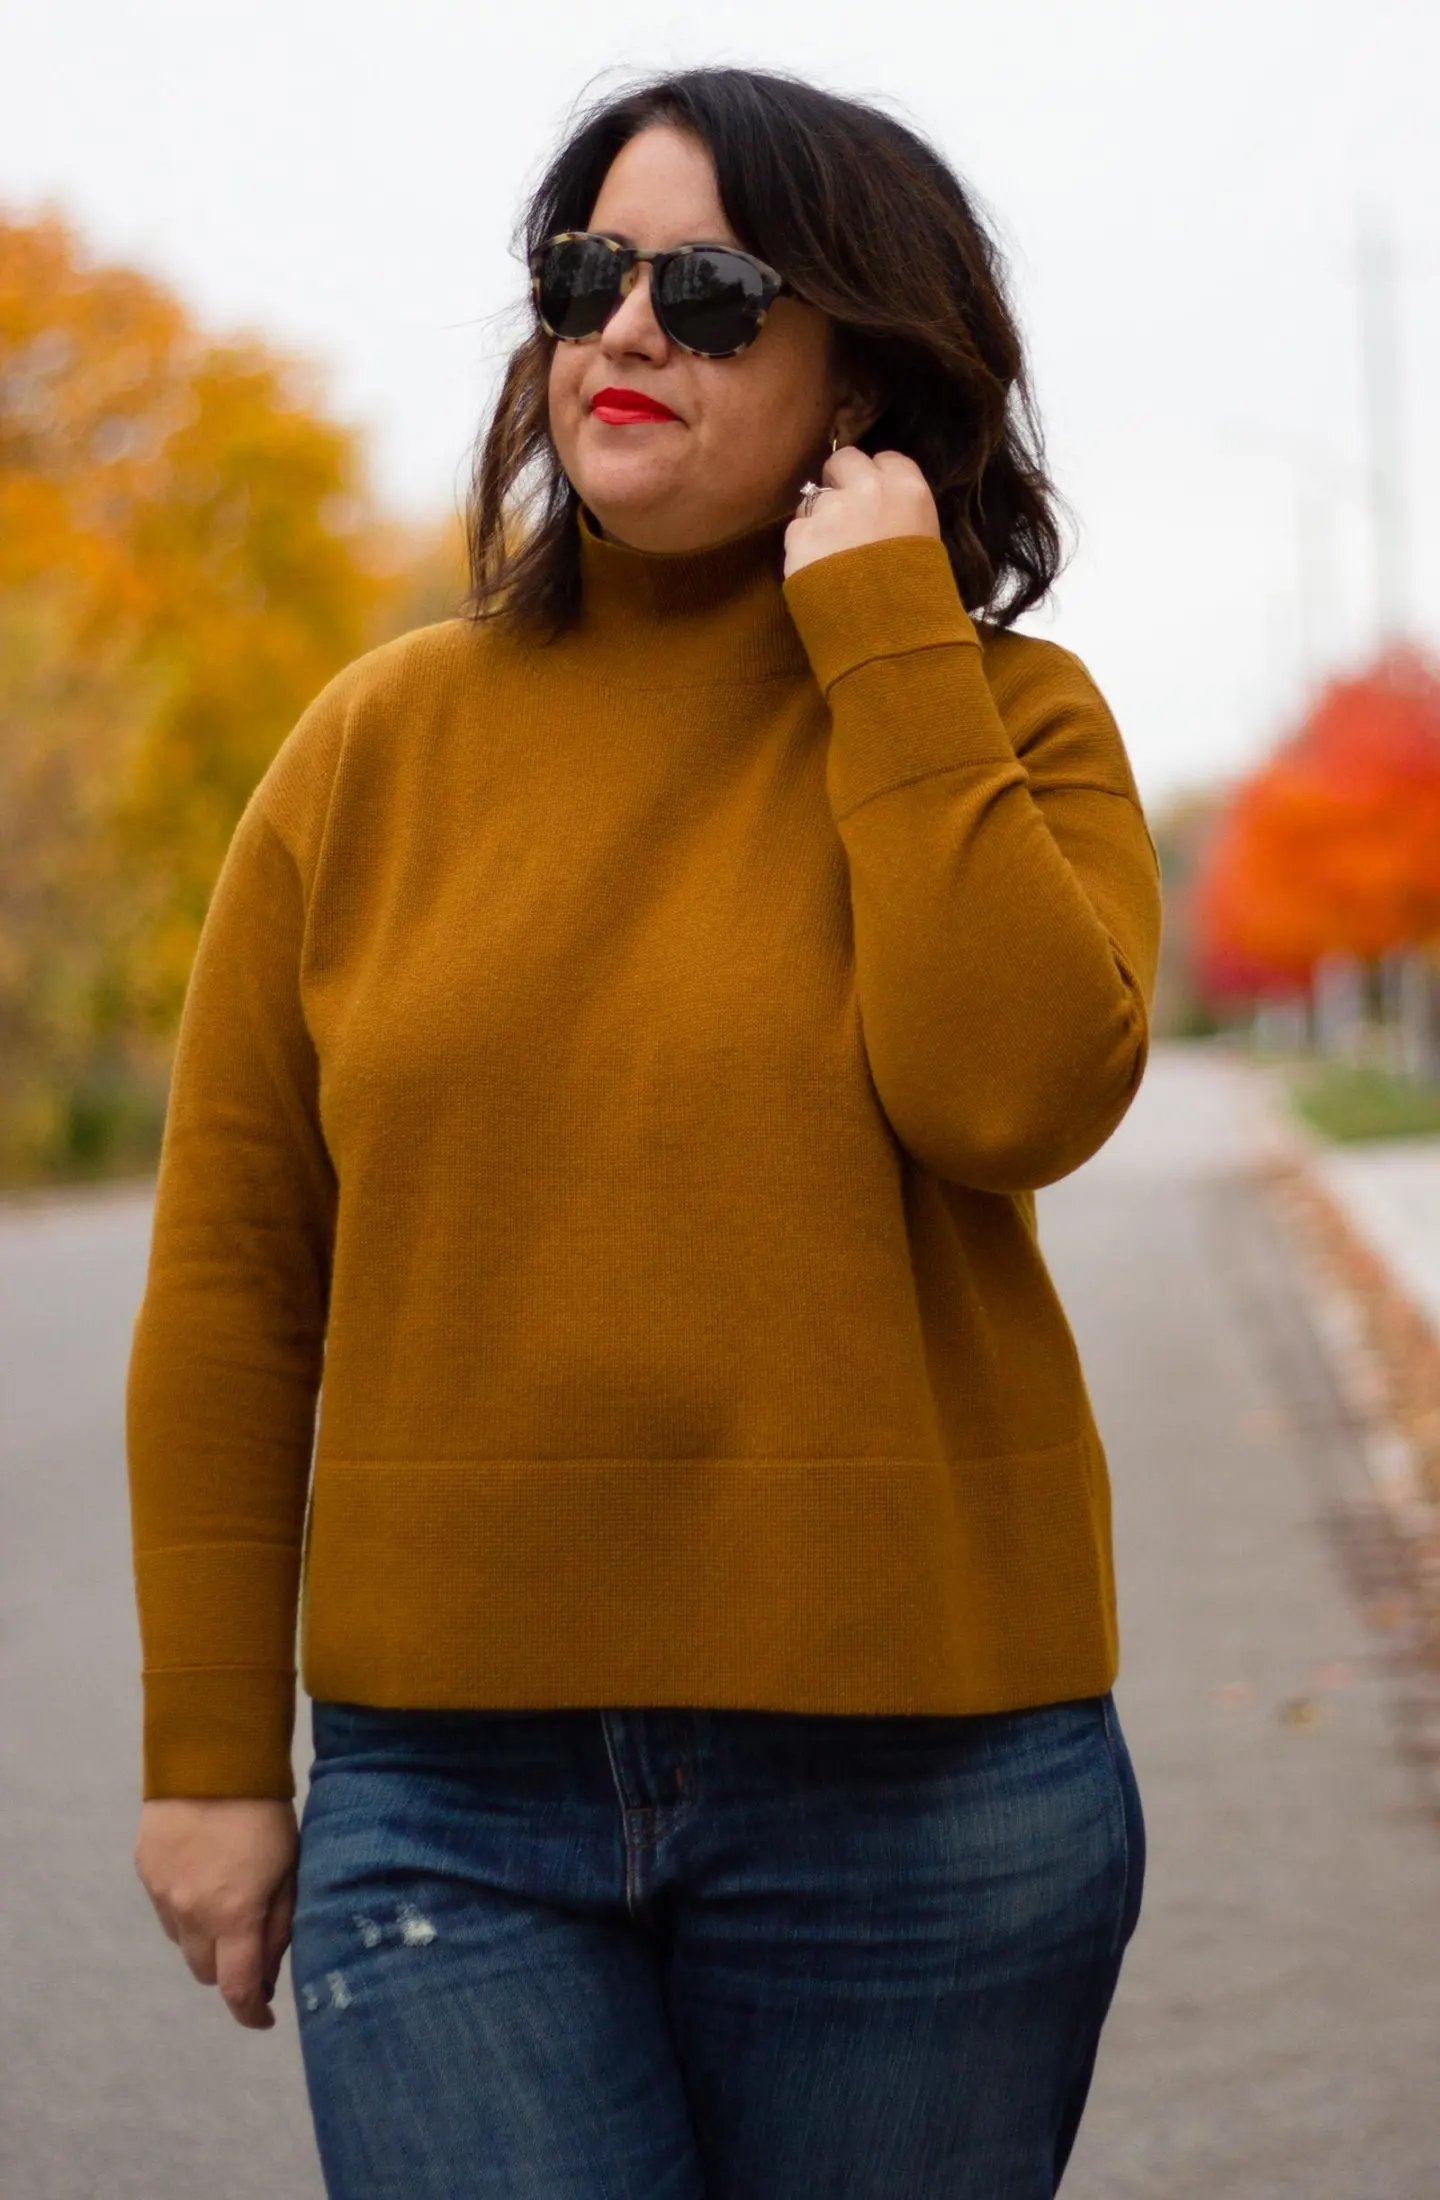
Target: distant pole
{"x": 1384, "y": 424}
{"x": 1313, "y": 581}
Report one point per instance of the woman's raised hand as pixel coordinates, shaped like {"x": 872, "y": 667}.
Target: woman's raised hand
{"x": 866, "y": 500}
{"x": 220, "y": 1872}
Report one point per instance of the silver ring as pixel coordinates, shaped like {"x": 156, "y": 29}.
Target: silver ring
{"x": 809, "y": 490}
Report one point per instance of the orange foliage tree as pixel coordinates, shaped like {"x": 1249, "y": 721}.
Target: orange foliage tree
{"x": 188, "y": 551}
{"x": 1333, "y": 847}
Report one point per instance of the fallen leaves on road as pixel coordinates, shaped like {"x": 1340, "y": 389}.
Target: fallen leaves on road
{"x": 1403, "y": 1345}
{"x": 1391, "y": 1376}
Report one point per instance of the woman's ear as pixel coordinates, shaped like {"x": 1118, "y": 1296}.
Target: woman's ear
{"x": 858, "y": 410}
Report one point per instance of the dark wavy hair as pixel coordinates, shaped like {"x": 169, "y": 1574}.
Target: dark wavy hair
{"x": 872, "y": 226}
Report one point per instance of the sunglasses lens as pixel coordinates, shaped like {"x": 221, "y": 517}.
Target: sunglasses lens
{"x": 579, "y": 285}
{"x": 712, "y": 301}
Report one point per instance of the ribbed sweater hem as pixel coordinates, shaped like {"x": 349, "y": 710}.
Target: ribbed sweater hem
{"x": 820, "y": 1585}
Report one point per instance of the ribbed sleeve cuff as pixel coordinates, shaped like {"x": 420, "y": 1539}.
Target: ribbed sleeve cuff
{"x": 900, "y": 662}
{"x": 218, "y": 1730}
{"x": 880, "y": 599}
{"x": 218, "y": 1633}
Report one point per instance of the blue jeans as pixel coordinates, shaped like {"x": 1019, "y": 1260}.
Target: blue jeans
{"x": 685, "y": 1954}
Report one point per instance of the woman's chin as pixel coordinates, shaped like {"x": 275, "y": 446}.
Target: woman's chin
{"x": 633, "y": 484}
{"x": 641, "y": 499}
{"x": 650, "y": 514}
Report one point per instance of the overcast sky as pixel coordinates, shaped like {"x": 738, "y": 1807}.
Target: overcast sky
{"x": 1178, "y": 189}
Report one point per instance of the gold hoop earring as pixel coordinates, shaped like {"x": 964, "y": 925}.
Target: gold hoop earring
{"x": 834, "y": 442}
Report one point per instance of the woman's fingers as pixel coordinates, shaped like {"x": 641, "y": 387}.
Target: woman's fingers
{"x": 243, "y": 1963}
{"x": 198, "y": 1948}
{"x": 239, "y": 1966}
{"x": 866, "y": 500}
{"x": 169, "y": 1921}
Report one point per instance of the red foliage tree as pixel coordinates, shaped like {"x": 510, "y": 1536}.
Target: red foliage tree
{"x": 1333, "y": 846}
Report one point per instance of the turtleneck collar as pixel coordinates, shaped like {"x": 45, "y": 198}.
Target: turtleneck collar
{"x": 682, "y": 617}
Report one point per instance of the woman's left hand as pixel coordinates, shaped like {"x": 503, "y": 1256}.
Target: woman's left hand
{"x": 866, "y": 500}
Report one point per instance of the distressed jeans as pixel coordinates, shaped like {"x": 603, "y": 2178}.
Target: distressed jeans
{"x": 684, "y": 1954}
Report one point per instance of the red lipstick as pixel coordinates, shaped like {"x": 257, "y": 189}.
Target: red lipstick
{"x": 626, "y": 408}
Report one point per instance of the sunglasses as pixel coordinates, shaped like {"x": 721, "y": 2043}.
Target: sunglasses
{"x": 708, "y": 298}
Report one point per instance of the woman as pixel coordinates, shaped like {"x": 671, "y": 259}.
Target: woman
{"x": 628, "y": 1031}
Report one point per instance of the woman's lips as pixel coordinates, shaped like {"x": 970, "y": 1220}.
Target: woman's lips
{"x": 627, "y": 408}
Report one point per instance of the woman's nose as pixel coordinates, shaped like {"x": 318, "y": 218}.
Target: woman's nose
{"x": 633, "y": 326}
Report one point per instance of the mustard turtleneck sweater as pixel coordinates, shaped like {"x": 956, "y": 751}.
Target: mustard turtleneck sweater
{"x": 622, "y": 1069}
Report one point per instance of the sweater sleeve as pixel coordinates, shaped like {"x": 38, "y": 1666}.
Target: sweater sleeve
{"x": 1004, "y": 885}
{"x": 228, "y": 1345}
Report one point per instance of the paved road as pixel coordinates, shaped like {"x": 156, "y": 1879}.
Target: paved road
{"x": 1277, "y": 2031}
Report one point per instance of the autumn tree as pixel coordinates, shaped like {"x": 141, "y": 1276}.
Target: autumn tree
{"x": 188, "y": 551}
{"x": 1333, "y": 846}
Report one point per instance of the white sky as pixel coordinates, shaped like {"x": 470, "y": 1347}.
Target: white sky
{"x": 1177, "y": 187}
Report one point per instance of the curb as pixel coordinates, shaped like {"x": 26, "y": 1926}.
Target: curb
{"x": 1325, "y": 1239}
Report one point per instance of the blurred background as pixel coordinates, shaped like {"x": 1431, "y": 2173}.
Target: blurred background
{"x": 257, "y": 284}
{"x": 258, "y": 280}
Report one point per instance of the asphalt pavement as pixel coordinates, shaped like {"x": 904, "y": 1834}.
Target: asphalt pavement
{"x": 1277, "y": 2028}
